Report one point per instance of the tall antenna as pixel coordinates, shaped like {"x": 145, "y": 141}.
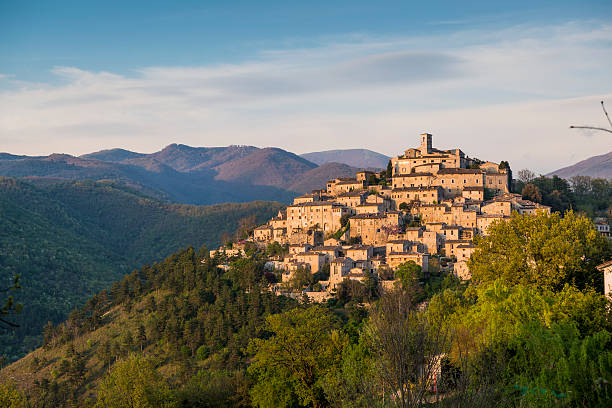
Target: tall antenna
{"x": 597, "y": 128}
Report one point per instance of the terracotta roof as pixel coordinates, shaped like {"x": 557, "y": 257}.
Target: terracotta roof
{"x": 316, "y": 204}
{"x": 605, "y": 265}
{"x": 466, "y": 246}
{"x": 326, "y": 248}
{"x": 451, "y": 227}
{"x": 460, "y": 171}
{"x": 420, "y": 174}
{"x": 367, "y": 216}
{"x": 415, "y": 188}
{"x": 359, "y": 247}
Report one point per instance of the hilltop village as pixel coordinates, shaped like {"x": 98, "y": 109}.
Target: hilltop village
{"x": 426, "y": 207}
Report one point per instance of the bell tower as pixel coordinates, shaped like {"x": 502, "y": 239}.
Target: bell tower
{"x": 426, "y": 147}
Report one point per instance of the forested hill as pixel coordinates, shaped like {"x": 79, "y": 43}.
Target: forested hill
{"x": 69, "y": 240}
{"x": 185, "y": 333}
{"x": 175, "y": 310}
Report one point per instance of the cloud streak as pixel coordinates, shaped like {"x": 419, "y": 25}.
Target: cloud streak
{"x": 516, "y": 88}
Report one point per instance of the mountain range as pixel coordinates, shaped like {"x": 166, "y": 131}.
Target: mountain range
{"x": 596, "y": 166}
{"x": 195, "y": 175}
{"x": 352, "y": 157}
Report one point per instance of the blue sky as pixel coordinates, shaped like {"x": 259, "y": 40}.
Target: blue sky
{"x": 80, "y": 76}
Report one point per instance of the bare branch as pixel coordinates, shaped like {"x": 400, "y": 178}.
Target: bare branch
{"x": 597, "y": 128}
{"x": 591, "y": 127}
{"x": 606, "y": 113}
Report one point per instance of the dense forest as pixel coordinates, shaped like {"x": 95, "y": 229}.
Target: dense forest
{"x": 69, "y": 240}
{"x": 593, "y": 196}
{"x": 531, "y": 329}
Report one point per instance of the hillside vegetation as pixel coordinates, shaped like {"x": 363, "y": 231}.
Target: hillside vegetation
{"x": 185, "y": 333}
{"x": 69, "y": 240}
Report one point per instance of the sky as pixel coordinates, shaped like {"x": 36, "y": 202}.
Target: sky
{"x": 500, "y": 80}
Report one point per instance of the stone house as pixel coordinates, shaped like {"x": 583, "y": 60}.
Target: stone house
{"x": 331, "y": 251}
{"x": 323, "y": 215}
{"x": 364, "y": 175}
{"x": 352, "y": 199}
{"x": 307, "y": 198}
{"x": 313, "y": 260}
{"x": 347, "y": 268}
{"x": 606, "y": 269}
{"x": 451, "y": 246}
{"x": 473, "y": 193}
{"x": 374, "y": 228}
{"x": 360, "y": 252}
{"x": 299, "y": 248}
{"x": 427, "y": 195}
{"x": 403, "y": 245}
{"x": 344, "y": 185}
{"x": 413, "y": 180}
{"x": 395, "y": 259}
{"x": 263, "y": 233}
{"x": 602, "y": 227}
{"x": 369, "y": 208}
{"x": 483, "y": 221}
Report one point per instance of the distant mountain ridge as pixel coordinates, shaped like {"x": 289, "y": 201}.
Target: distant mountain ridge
{"x": 596, "y": 166}
{"x": 185, "y": 174}
{"x": 360, "y": 158}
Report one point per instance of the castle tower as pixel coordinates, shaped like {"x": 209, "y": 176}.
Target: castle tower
{"x": 426, "y": 147}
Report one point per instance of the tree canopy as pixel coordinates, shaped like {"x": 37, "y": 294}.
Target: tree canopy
{"x": 546, "y": 250}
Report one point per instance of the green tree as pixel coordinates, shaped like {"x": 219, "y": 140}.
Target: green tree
{"x": 406, "y": 347}
{"x": 11, "y": 397}
{"x": 408, "y": 274}
{"x": 531, "y": 192}
{"x": 141, "y": 337}
{"x": 9, "y": 306}
{"x": 301, "y": 279}
{"x": 555, "y": 345}
{"x": 292, "y": 363}
{"x": 133, "y": 383}
{"x": 353, "y": 383}
{"x": 546, "y": 250}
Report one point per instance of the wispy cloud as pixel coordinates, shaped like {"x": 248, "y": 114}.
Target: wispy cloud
{"x": 497, "y": 94}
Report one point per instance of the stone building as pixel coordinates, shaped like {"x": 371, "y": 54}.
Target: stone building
{"x": 445, "y": 194}
{"x": 395, "y": 259}
{"x": 374, "y": 229}
{"x": 606, "y": 269}
{"x": 322, "y": 215}
{"x": 344, "y": 185}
